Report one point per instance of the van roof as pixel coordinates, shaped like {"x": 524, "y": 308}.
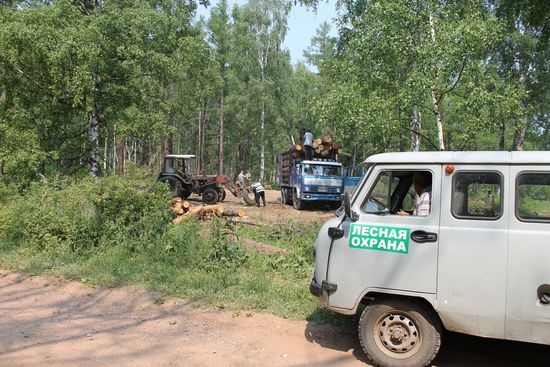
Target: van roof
{"x": 538, "y": 157}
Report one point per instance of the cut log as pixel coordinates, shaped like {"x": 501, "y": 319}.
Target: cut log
{"x": 185, "y": 204}
{"x": 245, "y": 220}
{"x": 327, "y": 139}
{"x": 233, "y": 213}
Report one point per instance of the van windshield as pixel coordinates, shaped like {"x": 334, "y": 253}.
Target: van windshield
{"x": 322, "y": 170}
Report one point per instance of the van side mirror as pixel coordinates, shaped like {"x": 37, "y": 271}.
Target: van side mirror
{"x": 347, "y": 208}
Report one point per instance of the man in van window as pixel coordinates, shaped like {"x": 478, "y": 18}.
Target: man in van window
{"x": 422, "y": 182}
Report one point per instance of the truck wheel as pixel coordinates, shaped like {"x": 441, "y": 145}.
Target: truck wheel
{"x": 210, "y": 196}
{"x": 283, "y": 198}
{"x": 296, "y": 202}
{"x": 288, "y": 196}
{"x": 399, "y": 333}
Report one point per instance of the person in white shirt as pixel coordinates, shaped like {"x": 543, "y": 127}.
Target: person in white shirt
{"x": 259, "y": 192}
{"x": 422, "y": 182}
{"x": 240, "y": 178}
{"x": 308, "y": 145}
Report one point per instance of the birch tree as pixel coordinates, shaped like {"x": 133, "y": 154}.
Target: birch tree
{"x": 261, "y": 27}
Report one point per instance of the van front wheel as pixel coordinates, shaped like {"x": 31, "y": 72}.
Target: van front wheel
{"x": 399, "y": 333}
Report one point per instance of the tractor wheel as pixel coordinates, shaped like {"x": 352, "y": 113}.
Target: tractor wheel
{"x": 247, "y": 199}
{"x": 210, "y": 196}
{"x": 175, "y": 188}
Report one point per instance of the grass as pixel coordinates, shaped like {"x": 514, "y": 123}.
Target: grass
{"x": 98, "y": 235}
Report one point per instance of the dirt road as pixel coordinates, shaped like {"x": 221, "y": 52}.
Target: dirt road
{"x": 47, "y": 321}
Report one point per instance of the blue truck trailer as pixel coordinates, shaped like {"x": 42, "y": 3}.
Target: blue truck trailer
{"x": 318, "y": 180}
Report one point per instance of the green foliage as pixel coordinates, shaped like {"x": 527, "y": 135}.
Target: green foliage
{"x": 77, "y": 217}
{"x": 117, "y": 231}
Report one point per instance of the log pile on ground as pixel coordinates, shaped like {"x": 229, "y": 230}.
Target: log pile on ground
{"x": 323, "y": 148}
{"x": 183, "y": 210}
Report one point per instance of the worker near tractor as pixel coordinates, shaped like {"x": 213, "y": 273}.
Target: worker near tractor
{"x": 308, "y": 144}
{"x": 240, "y": 178}
{"x": 259, "y": 192}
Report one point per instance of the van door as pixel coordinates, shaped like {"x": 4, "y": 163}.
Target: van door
{"x": 528, "y": 289}
{"x": 383, "y": 251}
{"x": 471, "y": 289}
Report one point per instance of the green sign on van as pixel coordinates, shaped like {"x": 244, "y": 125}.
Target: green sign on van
{"x": 392, "y": 239}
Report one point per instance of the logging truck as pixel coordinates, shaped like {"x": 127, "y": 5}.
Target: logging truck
{"x": 318, "y": 180}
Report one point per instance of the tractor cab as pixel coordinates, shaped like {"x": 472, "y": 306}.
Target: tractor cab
{"x": 179, "y": 164}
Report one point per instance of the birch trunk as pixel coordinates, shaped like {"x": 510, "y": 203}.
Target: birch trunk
{"x": 199, "y": 148}
{"x": 105, "y": 153}
{"x": 1, "y": 165}
{"x": 120, "y": 155}
{"x": 220, "y": 136}
{"x": 519, "y": 139}
{"x": 438, "y": 120}
{"x": 416, "y": 125}
{"x": 262, "y": 145}
{"x": 501, "y": 135}
{"x": 435, "y": 101}
{"x": 93, "y": 133}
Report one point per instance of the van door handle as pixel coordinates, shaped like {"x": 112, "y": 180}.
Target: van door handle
{"x": 543, "y": 292}
{"x": 423, "y": 236}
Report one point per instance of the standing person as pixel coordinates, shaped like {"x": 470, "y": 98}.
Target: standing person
{"x": 308, "y": 144}
{"x": 259, "y": 192}
{"x": 240, "y": 178}
{"x": 247, "y": 178}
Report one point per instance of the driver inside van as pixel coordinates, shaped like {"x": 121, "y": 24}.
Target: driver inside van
{"x": 422, "y": 182}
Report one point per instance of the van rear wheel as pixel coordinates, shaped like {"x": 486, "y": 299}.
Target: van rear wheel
{"x": 399, "y": 333}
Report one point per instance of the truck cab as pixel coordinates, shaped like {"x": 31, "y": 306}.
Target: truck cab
{"x": 474, "y": 261}
{"x": 313, "y": 181}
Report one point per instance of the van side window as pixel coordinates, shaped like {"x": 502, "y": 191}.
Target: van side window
{"x": 533, "y": 196}
{"x": 400, "y": 192}
{"x": 477, "y": 195}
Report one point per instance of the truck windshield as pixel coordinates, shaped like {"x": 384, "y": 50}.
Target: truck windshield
{"x": 322, "y": 170}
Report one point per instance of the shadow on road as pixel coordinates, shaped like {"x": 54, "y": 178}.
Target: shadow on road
{"x": 458, "y": 350}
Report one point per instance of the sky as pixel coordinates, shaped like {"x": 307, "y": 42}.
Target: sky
{"x": 302, "y": 24}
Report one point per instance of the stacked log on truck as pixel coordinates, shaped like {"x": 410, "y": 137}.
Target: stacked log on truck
{"x": 323, "y": 148}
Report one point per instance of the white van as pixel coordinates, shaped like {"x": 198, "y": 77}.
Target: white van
{"x": 468, "y": 249}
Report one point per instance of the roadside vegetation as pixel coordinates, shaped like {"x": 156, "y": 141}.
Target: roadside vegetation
{"x": 117, "y": 231}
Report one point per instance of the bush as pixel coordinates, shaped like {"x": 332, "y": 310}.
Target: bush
{"x": 83, "y": 215}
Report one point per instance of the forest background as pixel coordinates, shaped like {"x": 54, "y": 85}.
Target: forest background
{"x": 94, "y": 87}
